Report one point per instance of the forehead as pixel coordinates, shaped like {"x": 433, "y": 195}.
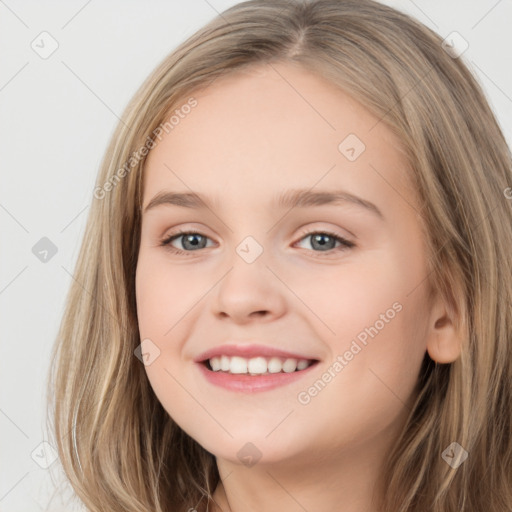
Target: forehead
{"x": 269, "y": 127}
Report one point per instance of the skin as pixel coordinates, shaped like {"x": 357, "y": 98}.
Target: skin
{"x": 253, "y": 135}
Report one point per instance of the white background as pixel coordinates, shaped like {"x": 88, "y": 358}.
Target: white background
{"x": 57, "y": 115}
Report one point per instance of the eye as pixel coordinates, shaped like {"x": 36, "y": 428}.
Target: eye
{"x": 325, "y": 242}
{"x": 321, "y": 242}
{"x": 191, "y": 241}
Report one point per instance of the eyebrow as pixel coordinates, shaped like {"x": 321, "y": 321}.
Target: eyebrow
{"x": 295, "y": 198}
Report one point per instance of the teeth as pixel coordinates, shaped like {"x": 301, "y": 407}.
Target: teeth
{"x": 290, "y": 365}
{"x": 275, "y": 365}
{"x": 224, "y": 363}
{"x": 215, "y": 363}
{"x": 238, "y": 365}
{"x": 257, "y": 365}
{"x": 302, "y": 364}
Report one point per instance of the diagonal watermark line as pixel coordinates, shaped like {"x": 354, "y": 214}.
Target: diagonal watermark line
{"x": 199, "y": 300}
{"x": 73, "y": 219}
{"x": 426, "y": 277}
{"x": 218, "y": 13}
{"x": 441, "y": 248}
{"x": 394, "y": 189}
{"x": 94, "y": 298}
{"x": 286, "y": 491}
{"x": 484, "y": 275}
{"x": 223, "y": 479}
{"x": 227, "y": 476}
{"x": 390, "y": 389}
{"x": 14, "y": 218}
{"x": 14, "y": 423}
{"x": 13, "y": 279}
{"x": 402, "y": 97}
{"x": 94, "y": 93}
{"x": 14, "y": 76}
{"x": 196, "y": 400}
{"x": 313, "y": 186}
{"x": 492, "y": 81}
{"x": 76, "y": 14}
{"x": 91, "y": 410}
{"x": 5, "y": 495}
{"x": 280, "y": 423}
{"x": 486, "y": 14}
{"x": 424, "y": 14}
{"x": 87, "y": 413}
{"x": 330, "y": 125}
{"x": 165, "y": 165}
{"x": 39, "y": 505}
{"x": 3, "y": 3}
{"x": 300, "y": 299}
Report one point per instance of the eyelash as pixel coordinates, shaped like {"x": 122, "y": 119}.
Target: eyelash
{"x": 346, "y": 244}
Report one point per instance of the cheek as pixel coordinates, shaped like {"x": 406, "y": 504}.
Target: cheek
{"x": 368, "y": 384}
{"x": 164, "y": 296}
{"x": 348, "y": 297}
{"x": 165, "y": 293}
{"x": 373, "y": 317}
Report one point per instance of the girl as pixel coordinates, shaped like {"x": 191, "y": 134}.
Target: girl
{"x": 293, "y": 291}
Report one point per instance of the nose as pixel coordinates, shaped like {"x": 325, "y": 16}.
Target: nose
{"x": 249, "y": 292}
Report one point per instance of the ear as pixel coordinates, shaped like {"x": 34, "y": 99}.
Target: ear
{"x": 444, "y": 339}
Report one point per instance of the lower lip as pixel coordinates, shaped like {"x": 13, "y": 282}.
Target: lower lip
{"x": 252, "y": 383}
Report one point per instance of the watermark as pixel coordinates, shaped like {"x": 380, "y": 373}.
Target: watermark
{"x": 249, "y": 454}
{"x": 44, "y": 45}
{"x": 304, "y": 397}
{"x": 44, "y": 455}
{"x": 351, "y": 147}
{"x": 249, "y": 249}
{"x": 44, "y": 249}
{"x": 508, "y": 192}
{"x": 137, "y": 156}
{"x": 454, "y": 455}
{"x": 454, "y": 45}
{"x": 147, "y": 352}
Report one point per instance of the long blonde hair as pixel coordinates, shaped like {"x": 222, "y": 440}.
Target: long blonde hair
{"x": 119, "y": 448}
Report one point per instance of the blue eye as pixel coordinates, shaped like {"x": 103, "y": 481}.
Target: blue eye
{"x": 190, "y": 238}
{"x": 321, "y": 240}
{"x": 325, "y": 241}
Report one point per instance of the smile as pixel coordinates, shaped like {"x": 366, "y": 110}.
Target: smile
{"x": 254, "y": 374}
{"x": 257, "y": 365}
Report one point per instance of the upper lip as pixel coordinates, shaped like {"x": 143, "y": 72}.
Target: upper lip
{"x": 248, "y": 351}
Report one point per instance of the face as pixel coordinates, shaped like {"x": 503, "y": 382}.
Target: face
{"x": 336, "y": 280}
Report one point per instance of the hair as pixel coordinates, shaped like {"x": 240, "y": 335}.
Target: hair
{"x": 120, "y": 449}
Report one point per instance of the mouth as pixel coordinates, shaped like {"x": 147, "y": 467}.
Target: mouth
{"x": 248, "y": 368}
{"x": 256, "y": 366}
{"x": 257, "y": 374}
